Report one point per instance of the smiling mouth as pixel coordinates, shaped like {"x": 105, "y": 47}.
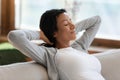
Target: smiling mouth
{"x": 73, "y": 32}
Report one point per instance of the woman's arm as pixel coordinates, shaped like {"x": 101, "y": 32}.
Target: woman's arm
{"x": 91, "y": 26}
{"x": 21, "y": 39}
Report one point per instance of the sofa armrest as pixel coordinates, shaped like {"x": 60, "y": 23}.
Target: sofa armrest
{"x": 23, "y": 71}
{"x": 110, "y": 61}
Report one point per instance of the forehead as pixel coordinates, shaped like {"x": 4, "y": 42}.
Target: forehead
{"x": 62, "y": 17}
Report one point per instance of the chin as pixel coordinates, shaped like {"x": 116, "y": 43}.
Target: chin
{"x": 73, "y": 38}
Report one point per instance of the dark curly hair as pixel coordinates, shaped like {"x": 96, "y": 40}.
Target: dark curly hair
{"x": 48, "y": 23}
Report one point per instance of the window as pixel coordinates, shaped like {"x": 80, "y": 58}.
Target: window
{"x": 28, "y": 13}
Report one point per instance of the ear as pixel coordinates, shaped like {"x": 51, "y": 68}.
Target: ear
{"x": 55, "y": 34}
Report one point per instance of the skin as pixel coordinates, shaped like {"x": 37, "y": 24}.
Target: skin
{"x": 65, "y": 32}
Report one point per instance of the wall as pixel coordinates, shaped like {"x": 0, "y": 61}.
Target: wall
{"x": 7, "y": 16}
{"x": 0, "y": 17}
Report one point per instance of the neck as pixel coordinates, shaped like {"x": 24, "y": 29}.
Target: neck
{"x": 62, "y": 44}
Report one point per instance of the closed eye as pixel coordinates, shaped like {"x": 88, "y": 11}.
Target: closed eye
{"x": 66, "y": 25}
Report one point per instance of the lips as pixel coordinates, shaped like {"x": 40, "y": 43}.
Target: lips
{"x": 72, "y": 31}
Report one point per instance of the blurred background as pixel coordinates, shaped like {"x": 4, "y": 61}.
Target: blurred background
{"x": 28, "y": 12}
{"x": 25, "y": 14}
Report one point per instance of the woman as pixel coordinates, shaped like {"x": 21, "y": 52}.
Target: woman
{"x": 63, "y": 61}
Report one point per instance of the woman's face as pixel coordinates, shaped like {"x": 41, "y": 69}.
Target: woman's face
{"x": 65, "y": 27}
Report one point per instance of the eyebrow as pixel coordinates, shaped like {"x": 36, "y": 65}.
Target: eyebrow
{"x": 63, "y": 20}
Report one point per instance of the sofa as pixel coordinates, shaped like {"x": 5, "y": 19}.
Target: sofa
{"x": 110, "y": 61}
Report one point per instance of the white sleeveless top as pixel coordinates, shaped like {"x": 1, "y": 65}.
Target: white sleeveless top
{"x": 76, "y": 65}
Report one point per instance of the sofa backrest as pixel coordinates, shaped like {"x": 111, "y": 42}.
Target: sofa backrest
{"x": 23, "y": 71}
{"x": 110, "y": 61}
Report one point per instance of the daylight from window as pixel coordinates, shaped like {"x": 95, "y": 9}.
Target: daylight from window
{"x": 28, "y": 13}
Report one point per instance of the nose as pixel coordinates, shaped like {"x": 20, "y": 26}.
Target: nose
{"x": 72, "y": 26}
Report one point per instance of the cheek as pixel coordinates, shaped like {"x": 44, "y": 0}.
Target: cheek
{"x": 64, "y": 29}
{"x": 63, "y": 32}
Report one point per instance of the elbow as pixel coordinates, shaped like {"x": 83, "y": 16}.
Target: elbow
{"x": 13, "y": 35}
{"x": 98, "y": 19}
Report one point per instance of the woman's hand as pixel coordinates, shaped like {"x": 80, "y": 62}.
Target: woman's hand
{"x": 44, "y": 38}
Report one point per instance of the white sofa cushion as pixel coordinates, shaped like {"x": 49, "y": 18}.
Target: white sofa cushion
{"x": 110, "y": 61}
{"x": 23, "y": 71}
